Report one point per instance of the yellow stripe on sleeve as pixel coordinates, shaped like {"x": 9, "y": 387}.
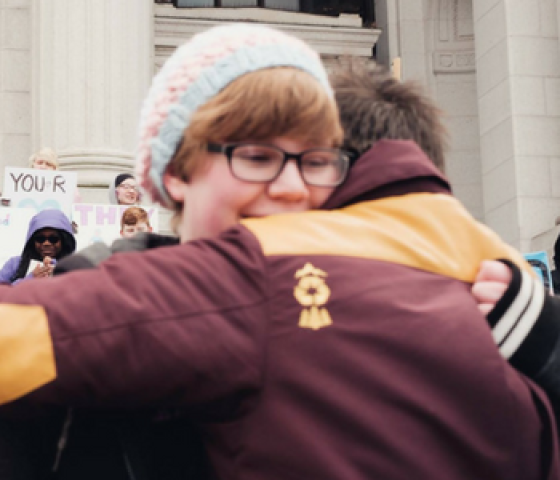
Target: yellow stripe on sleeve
{"x": 26, "y": 351}
{"x": 431, "y": 232}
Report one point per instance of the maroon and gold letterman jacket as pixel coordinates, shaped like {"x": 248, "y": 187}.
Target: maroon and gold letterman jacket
{"x": 337, "y": 344}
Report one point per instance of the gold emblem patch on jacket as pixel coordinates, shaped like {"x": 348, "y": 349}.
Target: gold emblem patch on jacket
{"x": 312, "y": 292}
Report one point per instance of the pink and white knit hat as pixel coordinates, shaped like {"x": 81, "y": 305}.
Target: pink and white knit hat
{"x": 196, "y": 72}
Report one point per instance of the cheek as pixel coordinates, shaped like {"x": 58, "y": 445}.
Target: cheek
{"x": 318, "y": 196}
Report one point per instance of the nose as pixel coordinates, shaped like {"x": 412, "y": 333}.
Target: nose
{"x": 289, "y": 185}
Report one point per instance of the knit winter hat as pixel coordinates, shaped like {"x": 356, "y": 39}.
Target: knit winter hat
{"x": 196, "y": 72}
{"x": 121, "y": 178}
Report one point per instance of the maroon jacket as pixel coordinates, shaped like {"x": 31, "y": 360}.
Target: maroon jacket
{"x": 339, "y": 344}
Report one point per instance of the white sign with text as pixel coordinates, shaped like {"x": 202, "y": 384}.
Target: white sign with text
{"x": 39, "y": 189}
{"x": 102, "y": 223}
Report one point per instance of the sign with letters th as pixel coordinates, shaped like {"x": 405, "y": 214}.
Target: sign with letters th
{"x": 39, "y": 189}
{"x": 102, "y": 223}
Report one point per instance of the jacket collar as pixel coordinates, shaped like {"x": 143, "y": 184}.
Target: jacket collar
{"x": 389, "y": 163}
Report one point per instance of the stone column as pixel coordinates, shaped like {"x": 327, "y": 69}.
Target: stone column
{"x": 92, "y": 62}
{"x": 518, "y": 80}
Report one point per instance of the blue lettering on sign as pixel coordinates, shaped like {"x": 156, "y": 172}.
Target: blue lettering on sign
{"x": 31, "y": 203}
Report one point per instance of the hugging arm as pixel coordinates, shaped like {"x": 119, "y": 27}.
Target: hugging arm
{"x": 525, "y": 323}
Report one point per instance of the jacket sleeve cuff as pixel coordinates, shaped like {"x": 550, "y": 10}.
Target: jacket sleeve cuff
{"x": 526, "y": 324}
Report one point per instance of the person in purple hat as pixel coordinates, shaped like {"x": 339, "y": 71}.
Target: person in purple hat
{"x": 49, "y": 238}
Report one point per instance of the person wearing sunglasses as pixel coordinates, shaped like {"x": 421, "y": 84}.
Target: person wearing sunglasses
{"x": 49, "y": 238}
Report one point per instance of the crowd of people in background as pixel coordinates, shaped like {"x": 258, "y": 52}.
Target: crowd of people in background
{"x": 50, "y": 235}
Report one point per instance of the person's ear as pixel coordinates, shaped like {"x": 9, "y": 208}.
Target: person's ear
{"x": 150, "y": 229}
{"x": 122, "y": 233}
{"x": 174, "y": 186}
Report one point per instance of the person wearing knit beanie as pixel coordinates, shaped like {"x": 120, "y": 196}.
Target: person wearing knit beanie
{"x": 231, "y": 85}
{"x": 123, "y": 190}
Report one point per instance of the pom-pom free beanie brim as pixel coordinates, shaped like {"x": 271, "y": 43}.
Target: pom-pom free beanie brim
{"x": 195, "y": 73}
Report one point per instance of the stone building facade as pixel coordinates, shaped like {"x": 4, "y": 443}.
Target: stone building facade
{"x": 73, "y": 74}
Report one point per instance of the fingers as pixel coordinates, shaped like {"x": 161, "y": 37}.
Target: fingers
{"x": 488, "y": 292}
{"x": 494, "y": 271}
{"x": 43, "y": 271}
{"x": 485, "y": 308}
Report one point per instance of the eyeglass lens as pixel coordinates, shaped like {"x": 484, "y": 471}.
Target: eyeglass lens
{"x": 124, "y": 186}
{"x": 261, "y": 163}
{"x": 51, "y": 238}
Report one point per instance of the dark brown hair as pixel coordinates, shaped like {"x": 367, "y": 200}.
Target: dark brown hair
{"x": 374, "y": 105}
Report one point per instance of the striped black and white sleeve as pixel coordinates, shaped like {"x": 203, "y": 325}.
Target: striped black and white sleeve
{"x": 526, "y": 327}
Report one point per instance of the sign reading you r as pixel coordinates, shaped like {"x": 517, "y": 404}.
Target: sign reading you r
{"x": 27, "y": 182}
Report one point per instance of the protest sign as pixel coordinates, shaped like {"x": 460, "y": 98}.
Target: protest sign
{"x": 14, "y": 223}
{"x": 102, "y": 223}
{"x": 39, "y": 189}
{"x": 539, "y": 262}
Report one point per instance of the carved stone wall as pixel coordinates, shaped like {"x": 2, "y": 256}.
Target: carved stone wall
{"x": 331, "y": 37}
{"x": 454, "y": 86}
{"x": 454, "y": 46}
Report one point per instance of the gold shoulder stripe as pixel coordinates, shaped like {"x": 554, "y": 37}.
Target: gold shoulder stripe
{"x": 26, "y": 351}
{"x": 431, "y": 232}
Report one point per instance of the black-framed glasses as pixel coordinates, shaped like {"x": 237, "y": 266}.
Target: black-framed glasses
{"x": 260, "y": 163}
{"x": 127, "y": 187}
{"x": 51, "y": 238}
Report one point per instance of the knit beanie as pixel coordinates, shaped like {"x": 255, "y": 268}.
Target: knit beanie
{"x": 194, "y": 74}
{"x": 121, "y": 178}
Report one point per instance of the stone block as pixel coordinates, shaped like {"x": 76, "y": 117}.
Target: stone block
{"x": 494, "y": 107}
{"x": 412, "y": 37}
{"x": 528, "y": 96}
{"x": 492, "y": 68}
{"x": 549, "y": 19}
{"x": 411, "y": 10}
{"x": 554, "y": 166}
{"x": 16, "y": 3}
{"x": 16, "y": 113}
{"x": 470, "y": 195}
{"x": 552, "y": 94}
{"x": 490, "y": 29}
{"x": 15, "y": 69}
{"x": 14, "y": 151}
{"x": 537, "y": 215}
{"x": 533, "y": 176}
{"x": 463, "y": 131}
{"x": 463, "y": 167}
{"x": 534, "y": 56}
{"x": 504, "y": 220}
{"x": 537, "y": 136}
{"x": 523, "y": 18}
{"x": 482, "y": 7}
{"x": 15, "y": 30}
{"x": 414, "y": 67}
{"x": 458, "y": 98}
{"x": 496, "y": 145}
{"x": 500, "y": 185}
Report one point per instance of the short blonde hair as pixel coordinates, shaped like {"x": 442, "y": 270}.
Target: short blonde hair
{"x": 47, "y": 154}
{"x": 261, "y": 105}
